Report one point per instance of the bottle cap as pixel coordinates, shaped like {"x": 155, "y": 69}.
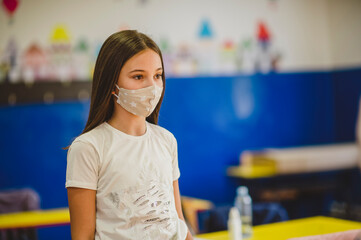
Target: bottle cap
{"x": 242, "y": 191}
{"x": 234, "y": 214}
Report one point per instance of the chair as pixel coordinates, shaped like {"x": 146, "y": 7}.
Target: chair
{"x": 191, "y": 207}
{"x": 17, "y": 201}
{"x": 215, "y": 219}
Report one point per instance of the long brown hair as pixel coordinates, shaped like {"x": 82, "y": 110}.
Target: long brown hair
{"x": 115, "y": 51}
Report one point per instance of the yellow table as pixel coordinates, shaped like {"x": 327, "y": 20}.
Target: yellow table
{"x": 252, "y": 172}
{"x": 41, "y": 218}
{"x": 273, "y": 231}
{"x": 293, "y": 228}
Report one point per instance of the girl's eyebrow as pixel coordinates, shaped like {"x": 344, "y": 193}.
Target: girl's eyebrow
{"x": 140, "y": 70}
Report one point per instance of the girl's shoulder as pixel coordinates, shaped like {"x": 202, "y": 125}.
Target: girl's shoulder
{"x": 94, "y": 138}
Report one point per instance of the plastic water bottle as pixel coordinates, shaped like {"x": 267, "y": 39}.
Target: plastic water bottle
{"x": 243, "y": 203}
{"x": 234, "y": 224}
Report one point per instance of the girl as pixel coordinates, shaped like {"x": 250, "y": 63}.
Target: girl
{"x": 122, "y": 171}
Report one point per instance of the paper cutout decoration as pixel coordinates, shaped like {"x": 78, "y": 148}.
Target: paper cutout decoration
{"x": 207, "y": 52}
{"x": 247, "y": 43}
{"x": 34, "y": 64}
{"x": 205, "y": 31}
{"x": 228, "y": 45}
{"x": 11, "y": 52}
{"x": 10, "y": 61}
{"x": 228, "y": 64}
{"x": 263, "y": 33}
{"x": 247, "y": 55}
{"x": 60, "y": 34}
{"x": 184, "y": 62}
{"x": 82, "y": 46}
{"x": 81, "y": 59}
{"x": 60, "y": 54}
{"x": 10, "y": 7}
{"x": 263, "y": 36}
{"x": 268, "y": 56}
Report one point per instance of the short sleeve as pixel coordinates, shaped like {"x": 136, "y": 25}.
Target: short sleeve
{"x": 176, "y": 172}
{"x": 82, "y": 166}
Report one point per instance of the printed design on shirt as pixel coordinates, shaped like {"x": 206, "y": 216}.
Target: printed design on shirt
{"x": 148, "y": 209}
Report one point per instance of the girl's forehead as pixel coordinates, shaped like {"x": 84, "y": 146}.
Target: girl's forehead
{"x": 144, "y": 59}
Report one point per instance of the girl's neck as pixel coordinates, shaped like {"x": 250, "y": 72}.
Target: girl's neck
{"x": 126, "y": 122}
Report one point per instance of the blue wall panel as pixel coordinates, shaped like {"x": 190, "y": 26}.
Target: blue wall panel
{"x": 31, "y": 142}
{"x": 347, "y": 90}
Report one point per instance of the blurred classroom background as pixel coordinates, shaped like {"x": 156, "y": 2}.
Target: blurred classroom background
{"x": 244, "y": 78}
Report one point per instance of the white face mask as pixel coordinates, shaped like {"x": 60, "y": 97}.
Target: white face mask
{"x": 141, "y": 101}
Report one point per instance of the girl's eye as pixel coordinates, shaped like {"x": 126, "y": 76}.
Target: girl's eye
{"x": 159, "y": 76}
{"x": 137, "y": 77}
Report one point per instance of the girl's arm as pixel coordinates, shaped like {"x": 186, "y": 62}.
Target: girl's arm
{"x": 178, "y": 205}
{"x": 82, "y": 213}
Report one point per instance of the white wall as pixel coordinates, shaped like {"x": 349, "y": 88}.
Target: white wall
{"x": 311, "y": 34}
{"x": 345, "y": 32}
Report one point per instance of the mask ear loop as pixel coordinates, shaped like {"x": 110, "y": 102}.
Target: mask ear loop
{"x": 113, "y": 92}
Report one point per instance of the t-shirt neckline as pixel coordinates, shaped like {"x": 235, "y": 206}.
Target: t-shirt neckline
{"x": 123, "y": 134}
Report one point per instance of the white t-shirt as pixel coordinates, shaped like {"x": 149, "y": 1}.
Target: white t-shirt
{"x": 133, "y": 177}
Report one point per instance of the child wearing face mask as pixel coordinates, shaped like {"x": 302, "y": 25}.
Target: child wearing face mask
{"x": 122, "y": 171}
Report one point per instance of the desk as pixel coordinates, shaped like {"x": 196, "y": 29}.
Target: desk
{"x": 302, "y": 194}
{"x": 292, "y": 228}
{"x": 41, "y": 218}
